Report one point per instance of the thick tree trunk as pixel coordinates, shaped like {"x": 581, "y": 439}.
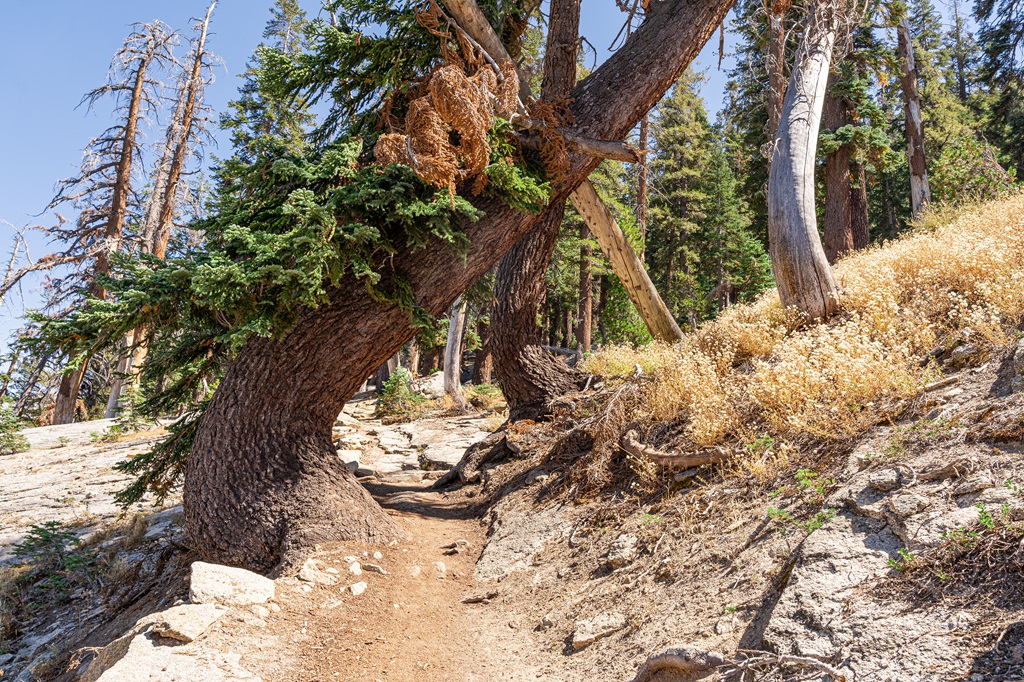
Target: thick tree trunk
{"x": 802, "y": 272}
{"x": 838, "y": 228}
{"x": 66, "y": 405}
{"x": 860, "y": 225}
{"x": 453, "y": 354}
{"x": 263, "y": 478}
{"x": 431, "y": 361}
{"x": 920, "y": 193}
{"x": 529, "y": 376}
{"x": 483, "y": 364}
{"x": 641, "y": 181}
{"x": 585, "y": 314}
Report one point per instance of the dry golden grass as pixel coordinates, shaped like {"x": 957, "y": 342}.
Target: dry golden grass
{"x": 756, "y": 370}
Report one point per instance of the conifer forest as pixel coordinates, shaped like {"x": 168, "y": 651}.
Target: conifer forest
{"x": 458, "y": 342}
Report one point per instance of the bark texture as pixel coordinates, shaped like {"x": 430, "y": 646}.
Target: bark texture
{"x": 860, "y": 226}
{"x": 838, "y": 226}
{"x": 483, "y": 364}
{"x": 263, "y": 478}
{"x": 802, "y": 273}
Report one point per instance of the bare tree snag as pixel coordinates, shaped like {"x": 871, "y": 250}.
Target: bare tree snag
{"x": 838, "y": 226}
{"x": 263, "y": 480}
{"x": 453, "y": 354}
{"x": 802, "y": 273}
{"x": 626, "y": 264}
{"x": 920, "y": 193}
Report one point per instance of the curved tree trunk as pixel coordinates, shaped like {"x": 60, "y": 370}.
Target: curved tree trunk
{"x": 838, "y": 227}
{"x": 802, "y": 272}
{"x": 263, "y": 450}
{"x": 529, "y": 376}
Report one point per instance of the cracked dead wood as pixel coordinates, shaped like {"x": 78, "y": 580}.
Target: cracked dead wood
{"x": 636, "y": 448}
{"x": 680, "y": 661}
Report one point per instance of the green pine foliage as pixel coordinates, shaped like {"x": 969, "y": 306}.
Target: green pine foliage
{"x": 11, "y": 439}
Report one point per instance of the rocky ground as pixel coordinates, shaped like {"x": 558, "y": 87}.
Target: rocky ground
{"x": 893, "y": 557}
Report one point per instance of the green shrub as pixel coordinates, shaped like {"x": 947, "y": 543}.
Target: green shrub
{"x": 397, "y": 399}
{"x": 11, "y": 439}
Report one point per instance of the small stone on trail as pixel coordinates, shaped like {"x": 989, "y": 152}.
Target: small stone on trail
{"x": 312, "y": 573}
{"x": 484, "y": 598}
{"x": 275, "y": 608}
{"x": 261, "y": 611}
{"x": 623, "y": 551}
{"x": 378, "y": 556}
{"x": 440, "y": 568}
{"x": 374, "y": 568}
{"x": 414, "y": 571}
{"x": 186, "y": 622}
{"x": 590, "y": 630}
{"x": 350, "y": 559}
{"x": 547, "y": 622}
{"x": 355, "y": 569}
{"x": 212, "y": 583}
{"x": 357, "y": 588}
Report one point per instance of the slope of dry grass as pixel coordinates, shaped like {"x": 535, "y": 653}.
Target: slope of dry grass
{"x": 757, "y": 371}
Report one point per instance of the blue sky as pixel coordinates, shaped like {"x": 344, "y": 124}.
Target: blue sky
{"x": 53, "y": 52}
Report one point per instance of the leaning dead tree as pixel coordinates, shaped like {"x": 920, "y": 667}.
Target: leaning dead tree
{"x": 920, "y": 192}
{"x": 103, "y": 192}
{"x": 802, "y": 272}
{"x": 263, "y": 481}
{"x": 453, "y": 354}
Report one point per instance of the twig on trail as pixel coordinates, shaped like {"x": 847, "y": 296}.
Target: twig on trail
{"x": 941, "y": 383}
{"x": 764, "y": 659}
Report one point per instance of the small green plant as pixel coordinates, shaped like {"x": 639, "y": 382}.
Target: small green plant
{"x": 107, "y": 435}
{"x": 11, "y": 439}
{"x": 906, "y": 558}
{"x": 397, "y": 399}
{"x": 811, "y": 487}
{"x": 1014, "y": 488}
{"x": 762, "y": 445}
{"x": 730, "y": 608}
{"x": 647, "y": 519}
{"x": 62, "y": 442}
{"x": 783, "y": 520}
{"x": 56, "y": 557}
{"x": 985, "y": 517}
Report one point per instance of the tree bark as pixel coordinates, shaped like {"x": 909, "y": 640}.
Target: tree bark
{"x": 920, "y": 193}
{"x": 483, "y": 364}
{"x": 585, "y": 314}
{"x": 838, "y": 228}
{"x": 860, "y": 225}
{"x": 641, "y": 181}
{"x": 66, "y": 405}
{"x": 528, "y": 377}
{"x": 263, "y": 479}
{"x": 453, "y": 354}
{"x": 802, "y": 272}
{"x": 412, "y": 360}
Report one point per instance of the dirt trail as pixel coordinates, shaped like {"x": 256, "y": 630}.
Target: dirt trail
{"x": 410, "y": 624}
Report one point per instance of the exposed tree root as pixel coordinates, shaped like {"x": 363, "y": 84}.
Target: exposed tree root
{"x": 681, "y": 661}
{"x": 633, "y": 446}
{"x": 468, "y": 470}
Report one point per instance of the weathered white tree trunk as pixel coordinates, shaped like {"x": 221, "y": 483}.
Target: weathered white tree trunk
{"x": 453, "y": 354}
{"x": 920, "y": 192}
{"x": 802, "y": 273}
{"x": 624, "y": 261}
